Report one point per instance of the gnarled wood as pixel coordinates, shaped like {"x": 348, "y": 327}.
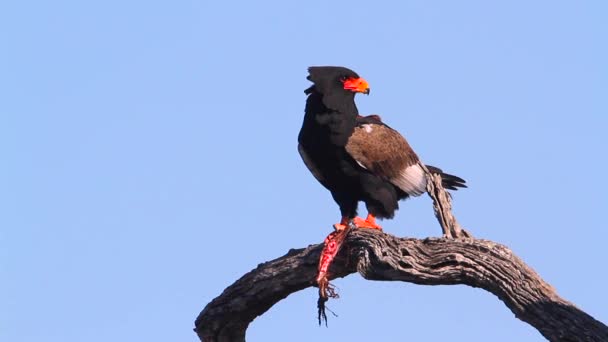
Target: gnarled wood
{"x": 379, "y": 256}
{"x": 442, "y": 204}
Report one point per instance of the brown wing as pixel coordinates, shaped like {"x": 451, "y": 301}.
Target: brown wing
{"x": 385, "y": 153}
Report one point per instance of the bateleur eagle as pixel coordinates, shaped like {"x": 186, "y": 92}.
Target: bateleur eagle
{"x": 358, "y": 158}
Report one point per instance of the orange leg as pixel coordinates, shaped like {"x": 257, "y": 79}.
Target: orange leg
{"x": 369, "y": 222}
{"x": 342, "y": 225}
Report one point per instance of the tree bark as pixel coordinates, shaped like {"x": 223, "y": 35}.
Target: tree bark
{"x": 457, "y": 258}
{"x": 379, "y": 256}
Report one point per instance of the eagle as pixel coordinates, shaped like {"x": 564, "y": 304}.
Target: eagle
{"x": 358, "y": 158}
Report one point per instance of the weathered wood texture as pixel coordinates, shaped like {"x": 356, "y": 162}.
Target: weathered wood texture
{"x": 442, "y": 204}
{"x": 455, "y": 259}
{"x": 379, "y": 256}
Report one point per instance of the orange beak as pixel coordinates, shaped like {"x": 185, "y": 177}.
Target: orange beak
{"x": 357, "y": 85}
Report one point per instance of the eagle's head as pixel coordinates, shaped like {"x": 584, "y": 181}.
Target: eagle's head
{"x": 333, "y": 80}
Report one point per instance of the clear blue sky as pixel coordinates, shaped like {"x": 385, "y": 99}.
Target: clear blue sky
{"x": 149, "y": 158}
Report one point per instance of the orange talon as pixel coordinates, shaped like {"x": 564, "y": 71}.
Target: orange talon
{"x": 342, "y": 225}
{"x": 359, "y": 222}
{"x": 369, "y": 222}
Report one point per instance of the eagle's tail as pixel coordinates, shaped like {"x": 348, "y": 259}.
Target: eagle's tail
{"x": 448, "y": 181}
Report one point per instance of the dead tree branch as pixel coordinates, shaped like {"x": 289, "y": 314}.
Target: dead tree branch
{"x": 456, "y": 258}
{"x": 379, "y": 256}
{"x": 442, "y": 204}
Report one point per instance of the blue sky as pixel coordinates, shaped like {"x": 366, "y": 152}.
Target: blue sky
{"x": 149, "y": 158}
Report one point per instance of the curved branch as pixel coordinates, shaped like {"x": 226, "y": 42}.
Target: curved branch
{"x": 379, "y": 256}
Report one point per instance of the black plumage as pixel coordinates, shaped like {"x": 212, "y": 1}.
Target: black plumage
{"x": 358, "y": 158}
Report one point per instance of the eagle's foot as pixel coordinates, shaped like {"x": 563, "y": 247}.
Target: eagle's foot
{"x": 369, "y": 222}
{"x": 346, "y": 223}
{"x": 340, "y": 227}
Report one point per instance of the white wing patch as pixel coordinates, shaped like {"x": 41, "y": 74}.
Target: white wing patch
{"x": 412, "y": 180}
{"x": 360, "y": 164}
{"x": 368, "y": 128}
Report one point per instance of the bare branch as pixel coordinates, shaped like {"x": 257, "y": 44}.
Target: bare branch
{"x": 442, "y": 204}
{"x": 379, "y": 256}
